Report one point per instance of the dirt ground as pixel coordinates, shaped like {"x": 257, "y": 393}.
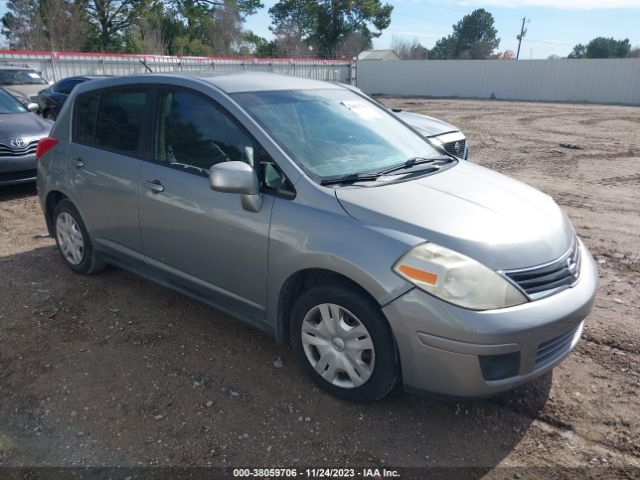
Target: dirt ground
{"x": 112, "y": 370}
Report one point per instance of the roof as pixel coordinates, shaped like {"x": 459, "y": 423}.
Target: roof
{"x": 234, "y": 82}
{"x": 84, "y": 77}
{"x": 378, "y": 55}
{"x": 229, "y": 82}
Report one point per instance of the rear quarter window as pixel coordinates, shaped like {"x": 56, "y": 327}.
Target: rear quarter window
{"x": 86, "y": 111}
{"x": 120, "y": 119}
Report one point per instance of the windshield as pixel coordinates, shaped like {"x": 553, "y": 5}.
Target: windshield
{"x": 8, "y": 104}
{"x": 334, "y": 132}
{"x": 21, "y": 77}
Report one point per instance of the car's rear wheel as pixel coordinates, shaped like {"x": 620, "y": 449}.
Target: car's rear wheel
{"x": 344, "y": 342}
{"x": 73, "y": 240}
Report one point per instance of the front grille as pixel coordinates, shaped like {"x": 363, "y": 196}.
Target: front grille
{"x": 544, "y": 279}
{"x": 455, "y": 148}
{"x": 553, "y": 349}
{"x": 18, "y": 175}
{"x": 9, "y": 151}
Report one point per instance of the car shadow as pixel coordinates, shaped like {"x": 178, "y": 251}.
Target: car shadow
{"x": 140, "y": 373}
{"x": 14, "y": 192}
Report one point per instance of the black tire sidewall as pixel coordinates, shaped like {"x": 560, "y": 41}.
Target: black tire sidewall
{"x": 386, "y": 369}
{"x": 87, "y": 262}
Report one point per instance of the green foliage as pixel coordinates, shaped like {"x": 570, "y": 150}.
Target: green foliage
{"x": 327, "y": 24}
{"x": 261, "y": 47}
{"x": 473, "y": 37}
{"x": 175, "y": 27}
{"x": 579, "y": 51}
{"x": 601, "y": 47}
{"x": 608, "y": 48}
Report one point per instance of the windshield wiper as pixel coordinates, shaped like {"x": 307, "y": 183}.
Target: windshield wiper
{"x": 351, "y": 178}
{"x": 412, "y": 162}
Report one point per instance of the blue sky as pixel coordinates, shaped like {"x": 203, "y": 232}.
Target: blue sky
{"x": 555, "y": 26}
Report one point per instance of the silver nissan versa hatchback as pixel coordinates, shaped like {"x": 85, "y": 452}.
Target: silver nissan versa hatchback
{"x": 307, "y": 210}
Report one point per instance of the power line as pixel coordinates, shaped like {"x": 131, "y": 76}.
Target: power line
{"x": 550, "y": 42}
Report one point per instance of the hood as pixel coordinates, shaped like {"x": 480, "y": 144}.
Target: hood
{"x": 27, "y": 126}
{"x": 428, "y": 126}
{"x": 489, "y": 217}
{"x": 26, "y": 90}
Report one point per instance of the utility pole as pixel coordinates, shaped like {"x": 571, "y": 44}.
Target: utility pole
{"x": 523, "y": 32}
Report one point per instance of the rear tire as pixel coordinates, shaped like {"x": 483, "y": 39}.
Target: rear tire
{"x": 344, "y": 342}
{"x": 73, "y": 240}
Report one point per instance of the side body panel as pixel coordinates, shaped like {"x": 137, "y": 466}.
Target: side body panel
{"x": 205, "y": 239}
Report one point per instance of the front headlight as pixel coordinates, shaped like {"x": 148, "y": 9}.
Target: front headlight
{"x": 456, "y": 278}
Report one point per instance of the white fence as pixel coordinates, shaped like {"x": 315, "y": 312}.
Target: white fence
{"x": 58, "y": 65}
{"x": 615, "y": 81}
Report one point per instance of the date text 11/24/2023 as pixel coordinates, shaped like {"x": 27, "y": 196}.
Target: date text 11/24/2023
{"x": 342, "y": 473}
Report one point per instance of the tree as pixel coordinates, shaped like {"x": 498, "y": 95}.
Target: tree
{"x": 66, "y": 24}
{"x": 183, "y": 27}
{"x": 23, "y": 26}
{"x": 326, "y": 24}
{"x": 474, "y": 37}
{"x": 261, "y": 47}
{"x": 110, "y": 19}
{"x": 506, "y": 55}
{"x": 579, "y": 51}
{"x": 635, "y": 53}
{"x": 443, "y": 49}
{"x": 352, "y": 45}
{"x": 601, "y": 47}
{"x": 152, "y": 31}
{"x": 409, "y": 49}
{"x": 45, "y": 25}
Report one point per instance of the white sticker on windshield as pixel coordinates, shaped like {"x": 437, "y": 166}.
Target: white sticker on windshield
{"x": 35, "y": 76}
{"x": 362, "y": 109}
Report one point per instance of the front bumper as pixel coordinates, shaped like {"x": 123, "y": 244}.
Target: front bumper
{"x": 457, "y": 352}
{"x": 14, "y": 170}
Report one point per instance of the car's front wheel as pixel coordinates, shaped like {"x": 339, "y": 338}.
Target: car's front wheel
{"x": 73, "y": 240}
{"x": 344, "y": 342}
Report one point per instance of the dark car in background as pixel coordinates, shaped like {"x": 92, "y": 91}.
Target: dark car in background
{"x": 51, "y": 99}
{"x": 20, "y": 131}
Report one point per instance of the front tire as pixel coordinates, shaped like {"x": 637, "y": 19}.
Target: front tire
{"x": 344, "y": 342}
{"x": 73, "y": 240}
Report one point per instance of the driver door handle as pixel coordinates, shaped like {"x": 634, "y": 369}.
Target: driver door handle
{"x": 78, "y": 162}
{"x": 154, "y": 185}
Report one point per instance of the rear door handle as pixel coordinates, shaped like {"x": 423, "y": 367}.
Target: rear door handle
{"x": 154, "y": 185}
{"x": 78, "y": 162}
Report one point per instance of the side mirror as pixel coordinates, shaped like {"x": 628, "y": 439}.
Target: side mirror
{"x": 32, "y": 107}
{"x": 237, "y": 177}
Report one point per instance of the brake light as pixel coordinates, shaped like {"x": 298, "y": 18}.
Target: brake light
{"x": 44, "y": 145}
